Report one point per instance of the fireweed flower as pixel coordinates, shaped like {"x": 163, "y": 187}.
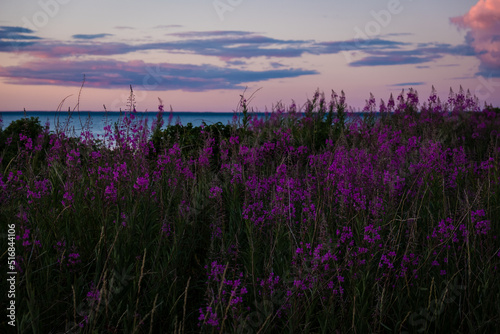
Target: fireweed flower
{"x": 142, "y": 183}
{"x": 95, "y": 155}
{"x": 216, "y": 271}
{"x": 93, "y": 295}
{"x": 73, "y": 259}
{"x": 385, "y": 260}
{"x": 482, "y": 226}
{"x": 345, "y": 234}
{"x": 110, "y": 192}
{"x": 120, "y": 172}
{"x": 40, "y": 189}
{"x": 166, "y": 230}
{"x": 215, "y": 192}
{"x": 26, "y": 237}
{"x": 234, "y": 140}
{"x": 208, "y": 316}
{"x": 235, "y": 170}
{"x": 73, "y": 157}
{"x": 233, "y": 286}
{"x": 269, "y": 283}
{"x": 28, "y": 142}
{"x": 382, "y": 108}
{"x": 124, "y": 219}
{"x": 22, "y": 216}
{"x": 60, "y": 248}
{"x": 370, "y": 104}
{"x": 67, "y": 199}
{"x": 230, "y": 294}
{"x": 206, "y": 153}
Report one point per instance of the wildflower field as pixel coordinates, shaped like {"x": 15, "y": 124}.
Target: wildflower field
{"x": 312, "y": 220}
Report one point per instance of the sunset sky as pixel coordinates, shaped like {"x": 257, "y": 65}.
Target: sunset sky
{"x": 200, "y": 55}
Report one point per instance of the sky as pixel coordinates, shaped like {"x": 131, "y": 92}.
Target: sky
{"x": 201, "y": 55}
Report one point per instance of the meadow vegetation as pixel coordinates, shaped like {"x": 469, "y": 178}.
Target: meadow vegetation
{"x": 312, "y": 220}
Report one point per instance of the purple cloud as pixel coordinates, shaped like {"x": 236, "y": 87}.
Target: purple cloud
{"x": 276, "y": 65}
{"x": 116, "y": 74}
{"x": 90, "y": 36}
{"x": 228, "y": 45}
{"x": 357, "y": 45}
{"x": 13, "y": 39}
{"x": 236, "y": 63}
{"x": 232, "y": 46}
{"x": 15, "y": 33}
{"x": 393, "y": 60}
{"x": 408, "y": 84}
{"x": 214, "y": 33}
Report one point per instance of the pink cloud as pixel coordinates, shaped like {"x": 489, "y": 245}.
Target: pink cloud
{"x": 483, "y": 22}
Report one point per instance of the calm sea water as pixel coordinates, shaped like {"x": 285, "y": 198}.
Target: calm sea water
{"x": 96, "y": 120}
